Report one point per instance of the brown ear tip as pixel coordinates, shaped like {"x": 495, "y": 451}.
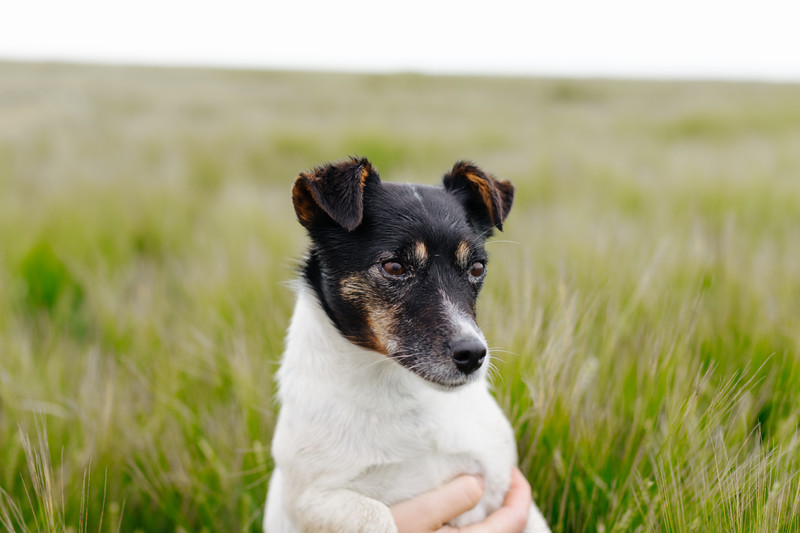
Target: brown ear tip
{"x": 366, "y": 168}
{"x": 299, "y": 182}
{"x": 360, "y": 161}
{"x": 506, "y": 186}
{"x": 463, "y": 166}
{"x": 302, "y": 198}
{"x": 301, "y": 185}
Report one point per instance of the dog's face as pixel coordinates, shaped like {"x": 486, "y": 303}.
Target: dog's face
{"x": 398, "y": 267}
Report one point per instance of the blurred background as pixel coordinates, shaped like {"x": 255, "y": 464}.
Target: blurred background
{"x": 711, "y": 39}
{"x": 642, "y": 304}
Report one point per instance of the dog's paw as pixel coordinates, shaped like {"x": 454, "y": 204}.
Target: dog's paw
{"x": 371, "y": 516}
{"x": 343, "y": 511}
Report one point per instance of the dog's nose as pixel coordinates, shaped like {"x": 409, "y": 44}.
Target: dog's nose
{"x": 468, "y": 355}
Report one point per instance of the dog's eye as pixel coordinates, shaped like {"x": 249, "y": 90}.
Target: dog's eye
{"x": 393, "y": 268}
{"x": 477, "y": 269}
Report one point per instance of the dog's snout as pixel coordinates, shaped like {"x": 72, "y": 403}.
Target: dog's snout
{"x": 467, "y": 354}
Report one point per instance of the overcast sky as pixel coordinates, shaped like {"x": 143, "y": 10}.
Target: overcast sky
{"x": 613, "y": 38}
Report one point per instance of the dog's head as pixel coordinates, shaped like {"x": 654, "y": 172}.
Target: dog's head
{"x": 398, "y": 267}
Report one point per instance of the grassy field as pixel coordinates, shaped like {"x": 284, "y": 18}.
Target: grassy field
{"x": 644, "y": 300}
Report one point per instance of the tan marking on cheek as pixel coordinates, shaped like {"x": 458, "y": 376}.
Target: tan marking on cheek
{"x": 462, "y": 254}
{"x": 355, "y": 288}
{"x": 421, "y": 253}
{"x": 382, "y": 322}
{"x": 380, "y": 319}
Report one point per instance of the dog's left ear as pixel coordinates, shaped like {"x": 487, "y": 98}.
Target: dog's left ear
{"x": 486, "y": 199}
{"x": 333, "y": 193}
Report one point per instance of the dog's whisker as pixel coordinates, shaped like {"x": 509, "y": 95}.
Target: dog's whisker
{"x": 503, "y": 242}
{"x": 498, "y": 358}
{"x": 498, "y": 347}
{"x": 501, "y": 348}
{"x": 508, "y": 352}
{"x": 376, "y": 362}
{"x": 492, "y": 373}
{"x": 486, "y": 232}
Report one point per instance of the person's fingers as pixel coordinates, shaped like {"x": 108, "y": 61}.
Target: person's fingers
{"x": 519, "y": 494}
{"x": 429, "y": 511}
{"x": 513, "y": 515}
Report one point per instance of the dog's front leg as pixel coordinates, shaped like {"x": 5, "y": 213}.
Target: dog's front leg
{"x": 342, "y": 511}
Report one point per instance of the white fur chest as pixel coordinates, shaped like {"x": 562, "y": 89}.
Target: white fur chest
{"x": 353, "y": 419}
{"x": 463, "y": 433}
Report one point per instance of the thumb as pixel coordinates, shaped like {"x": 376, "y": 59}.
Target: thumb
{"x": 431, "y": 510}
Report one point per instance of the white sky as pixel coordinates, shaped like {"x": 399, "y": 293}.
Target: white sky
{"x": 732, "y": 39}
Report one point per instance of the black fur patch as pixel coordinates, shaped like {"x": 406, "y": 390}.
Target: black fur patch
{"x": 333, "y": 192}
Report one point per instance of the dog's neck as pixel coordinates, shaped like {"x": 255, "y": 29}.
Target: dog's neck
{"x": 318, "y": 358}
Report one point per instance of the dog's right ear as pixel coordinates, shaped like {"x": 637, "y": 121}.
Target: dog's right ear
{"x": 333, "y": 192}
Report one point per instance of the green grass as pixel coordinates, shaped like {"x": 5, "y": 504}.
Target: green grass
{"x": 644, "y": 301}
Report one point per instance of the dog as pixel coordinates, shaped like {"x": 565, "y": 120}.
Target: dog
{"x": 382, "y": 384}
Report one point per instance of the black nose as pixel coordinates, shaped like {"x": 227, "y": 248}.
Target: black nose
{"x": 467, "y": 354}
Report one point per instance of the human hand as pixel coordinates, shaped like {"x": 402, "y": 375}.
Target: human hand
{"x": 429, "y": 512}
